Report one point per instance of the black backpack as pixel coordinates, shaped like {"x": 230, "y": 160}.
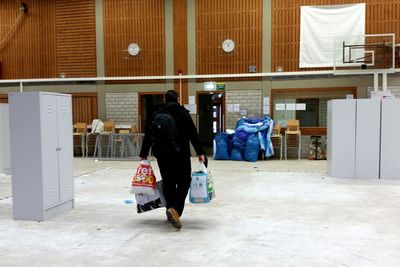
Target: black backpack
{"x": 164, "y": 134}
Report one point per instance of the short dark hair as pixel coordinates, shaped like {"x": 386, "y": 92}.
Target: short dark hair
{"x": 171, "y": 96}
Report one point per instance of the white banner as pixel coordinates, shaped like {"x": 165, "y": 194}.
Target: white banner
{"x": 319, "y": 25}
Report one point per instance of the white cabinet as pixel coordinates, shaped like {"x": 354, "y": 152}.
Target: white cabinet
{"x": 5, "y": 164}
{"x": 390, "y": 144}
{"x": 341, "y": 138}
{"x": 363, "y": 138}
{"x": 41, "y": 154}
{"x": 368, "y": 138}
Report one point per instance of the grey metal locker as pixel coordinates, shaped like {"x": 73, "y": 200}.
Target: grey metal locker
{"x": 5, "y": 163}
{"x": 368, "y": 138}
{"x": 41, "y": 154}
{"x": 341, "y": 137}
{"x": 390, "y": 144}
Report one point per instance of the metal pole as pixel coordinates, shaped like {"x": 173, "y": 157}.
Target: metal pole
{"x": 376, "y": 81}
{"x": 384, "y": 81}
{"x": 21, "y": 88}
{"x": 180, "y": 88}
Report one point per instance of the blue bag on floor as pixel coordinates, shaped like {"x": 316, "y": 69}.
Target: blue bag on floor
{"x": 221, "y": 147}
{"x": 252, "y": 148}
{"x": 236, "y": 154}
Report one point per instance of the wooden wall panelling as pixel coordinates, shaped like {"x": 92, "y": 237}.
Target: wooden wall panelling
{"x": 3, "y": 98}
{"x": 54, "y": 36}
{"x": 30, "y": 52}
{"x": 180, "y": 46}
{"x": 382, "y": 16}
{"x": 84, "y": 107}
{"x": 136, "y": 21}
{"x": 76, "y": 38}
{"x": 239, "y": 20}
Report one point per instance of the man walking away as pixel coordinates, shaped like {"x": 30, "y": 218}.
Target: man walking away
{"x": 169, "y": 134}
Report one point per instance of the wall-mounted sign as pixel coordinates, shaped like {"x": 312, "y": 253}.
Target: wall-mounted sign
{"x": 210, "y": 86}
{"x": 220, "y": 86}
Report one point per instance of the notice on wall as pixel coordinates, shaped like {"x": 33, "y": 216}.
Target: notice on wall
{"x": 265, "y": 109}
{"x": 265, "y": 105}
{"x": 192, "y": 100}
{"x": 236, "y": 107}
{"x": 301, "y": 106}
{"x": 280, "y": 107}
{"x": 290, "y": 106}
{"x": 192, "y": 108}
{"x": 230, "y": 107}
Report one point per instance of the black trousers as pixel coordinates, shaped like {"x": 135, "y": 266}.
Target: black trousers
{"x": 176, "y": 175}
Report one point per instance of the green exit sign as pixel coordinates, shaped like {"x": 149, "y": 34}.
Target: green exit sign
{"x": 220, "y": 86}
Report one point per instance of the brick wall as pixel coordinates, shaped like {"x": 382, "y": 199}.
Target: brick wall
{"x": 247, "y": 99}
{"x": 122, "y": 107}
{"x": 323, "y": 112}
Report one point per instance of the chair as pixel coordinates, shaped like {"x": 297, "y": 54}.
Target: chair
{"x": 79, "y": 128}
{"x": 134, "y": 128}
{"x": 293, "y": 127}
{"x": 293, "y": 137}
{"x": 109, "y": 127}
{"x": 276, "y": 138}
{"x": 79, "y": 134}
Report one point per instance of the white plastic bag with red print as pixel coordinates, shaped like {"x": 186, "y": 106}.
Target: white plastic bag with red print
{"x": 144, "y": 180}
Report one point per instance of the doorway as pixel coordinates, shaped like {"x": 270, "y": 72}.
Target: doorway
{"x": 211, "y": 117}
{"x": 148, "y": 104}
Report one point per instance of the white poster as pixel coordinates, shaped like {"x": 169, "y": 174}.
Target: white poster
{"x": 319, "y": 25}
{"x": 236, "y": 107}
{"x": 301, "y": 106}
{"x": 192, "y": 108}
{"x": 266, "y": 109}
{"x": 192, "y": 100}
{"x": 230, "y": 107}
{"x": 280, "y": 107}
{"x": 291, "y": 106}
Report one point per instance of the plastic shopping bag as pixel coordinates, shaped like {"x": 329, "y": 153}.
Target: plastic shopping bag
{"x": 201, "y": 186}
{"x": 147, "y": 202}
{"x": 144, "y": 180}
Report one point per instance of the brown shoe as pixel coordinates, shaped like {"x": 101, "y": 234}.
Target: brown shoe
{"x": 169, "y": 217}
{"x": 174, "y": 215}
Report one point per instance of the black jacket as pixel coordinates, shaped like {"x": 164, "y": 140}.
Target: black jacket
{"x": 186, "y": 129}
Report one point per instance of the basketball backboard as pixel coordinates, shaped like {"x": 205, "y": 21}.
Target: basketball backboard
{"x": 371, "y": 53}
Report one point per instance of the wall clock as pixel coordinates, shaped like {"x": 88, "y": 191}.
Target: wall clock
{"x": 133, "y": 49}
{"x": 228, "y": 45}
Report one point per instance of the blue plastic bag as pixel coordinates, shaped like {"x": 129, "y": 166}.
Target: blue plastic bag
{"x": 221, "y": 147}
{"x": 236, "y": 154}
{"x": 252, "y": 148}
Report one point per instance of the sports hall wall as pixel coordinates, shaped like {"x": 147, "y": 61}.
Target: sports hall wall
{"x": 382, "y": 16}
{"x": 73, "y": 38}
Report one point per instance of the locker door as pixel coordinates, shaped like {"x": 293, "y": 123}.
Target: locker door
{"x": 51, "y": 192}
{"x": 390, "y": 146}
{"x": 368, "y": 138}
{"x": 65, "y": 155}
{"x": 341, "y": 138}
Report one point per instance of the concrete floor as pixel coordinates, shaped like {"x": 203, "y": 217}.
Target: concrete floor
{"x": 269, "y": 213}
